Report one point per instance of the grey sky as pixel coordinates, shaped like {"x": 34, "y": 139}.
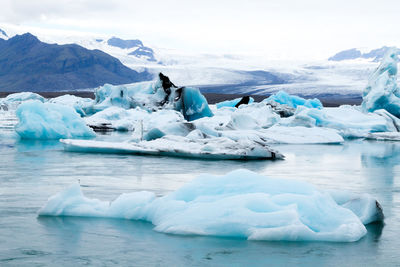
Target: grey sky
{"x": 277, "y": 29}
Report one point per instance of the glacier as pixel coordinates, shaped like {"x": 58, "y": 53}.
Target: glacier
{"x": 240, "y": 204}
{"x": 39, "y": 120}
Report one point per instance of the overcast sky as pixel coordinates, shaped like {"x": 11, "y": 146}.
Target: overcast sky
{"x": 285, "y": 29}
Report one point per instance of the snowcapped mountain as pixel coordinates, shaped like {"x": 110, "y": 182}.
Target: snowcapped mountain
{"x": 230, "y": 73}
{"x": 354, "y": 53}
{"x": 135, "y": 47}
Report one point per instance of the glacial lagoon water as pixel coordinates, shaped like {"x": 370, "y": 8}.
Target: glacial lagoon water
{"x": 31, "y": 171}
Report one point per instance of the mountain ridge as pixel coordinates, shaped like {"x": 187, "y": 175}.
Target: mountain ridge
{"x": 355, "y": 53}
{"x": 27, "y": 64}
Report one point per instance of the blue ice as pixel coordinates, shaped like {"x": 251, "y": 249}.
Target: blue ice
{"x": 39, "y": 120}
{"x": 294, "y": 101}
{"x": 382, "y": 91}
{"x": 239, "y": 204}
{"x": 193, "y": 104}
{"x": 231, "y": 103}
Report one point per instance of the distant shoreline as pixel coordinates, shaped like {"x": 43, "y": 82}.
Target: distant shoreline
{"x": 212, "y": 98}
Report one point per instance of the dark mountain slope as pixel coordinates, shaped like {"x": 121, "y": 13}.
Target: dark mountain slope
{"x": 27, "y": 64}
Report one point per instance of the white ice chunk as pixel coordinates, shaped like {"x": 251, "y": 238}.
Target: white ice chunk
{"x": 127, "y": 119}
{"x": 348, "y": 120}
{"x": 177, "y": 146}
{"x": 384, "y": 136}
{"x": 232, "y": 103}
{"x": 287, "y": 135}
{"x": 239, "y": 204}
{"x": 78, "y": 103}
{"x": 253, "y": 116}
{"x": 364, "y": 206}
{"x": 302, "y": 135}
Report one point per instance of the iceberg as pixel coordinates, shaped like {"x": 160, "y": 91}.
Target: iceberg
{"x": 39, "y": 120}
{"x": 193, "y": 104}
{"x": 152, "y": 96}
{"x": 232, "y": 103}
{"x": 294, "y": 101}
{"x": 12, "y": 101}
{"x": 282, "y": 110}
{"x": 78, "y": 103}
{"x": 240, "y": 204}
{"x": 254, "y": 116}
{"x": 384, "y": 136}
{"x": 302, "y": 135}
{"x": 178, "y": 146}
{"x": 382, "y": 91}
{"x": 364, "y": 206}
{"x": 287, "y": 135}
{"x": 125, "y": 96}
{"x": 350, "y": 121}
{"x": 127, "y": 119}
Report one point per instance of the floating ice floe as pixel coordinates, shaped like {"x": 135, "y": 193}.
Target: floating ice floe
{"x": 293, "y": 101}
{"x": 239, "y": 204}
{"x": 302, "y": 135}
{"x": 178, "y": 146}
{"x": 384, "y": 136}
{"x": 350, "y": 121}
{"x": 39, "y": 120}
{"x": 382, "y": 91}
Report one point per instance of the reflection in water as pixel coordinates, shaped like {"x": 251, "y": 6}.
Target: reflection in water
{"x": 24, "y": 145}
{"x": 374, "y": 231}
{"x": 381, "y": 161}
{"x": 136, "y": 241}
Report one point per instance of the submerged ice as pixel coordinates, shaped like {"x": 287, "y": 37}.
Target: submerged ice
{"x": 239, "y": 204}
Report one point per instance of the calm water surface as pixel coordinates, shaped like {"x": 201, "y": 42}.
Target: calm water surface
{"x": 32, "y": 171}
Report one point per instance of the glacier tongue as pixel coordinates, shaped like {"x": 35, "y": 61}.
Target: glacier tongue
{"x": 239, "y": 204}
